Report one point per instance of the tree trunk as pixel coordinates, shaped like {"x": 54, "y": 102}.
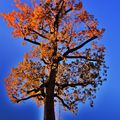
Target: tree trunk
{"x": 49, "y": 113}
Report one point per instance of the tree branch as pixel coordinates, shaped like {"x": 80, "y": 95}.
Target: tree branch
{"x": 56, "y": 23}
{"x": 40, "y": 88}
{"x": 22, "y": 99}
{"x": 33, "y": 90}
{"x": 74, "y": 84}
{"x": 78, "y": 47}
{"x": 68, "y": 10}
{"x": 33, "y": 42}
{"x": 44, "y": 61}
{"x": 41, "y": 35}
{"x": 64, "y": 104}
{"x": 83, "y": 57}
{"x": 44, "y": 30}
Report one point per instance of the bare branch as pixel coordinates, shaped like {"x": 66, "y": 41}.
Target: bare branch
{"x": 33, "y": 90}
{"x": 64, "y": 104}
{"x": 80, "y": 46}
{"x": 23, "y": 99}
{"x": 33, "y": 42}
{"x": 44, "y": 30}
{"x": 41, "y": 35}
{"x": 44, "y": 61}
{"x": 68, "y": 10}
{"x": 40, "y": 88}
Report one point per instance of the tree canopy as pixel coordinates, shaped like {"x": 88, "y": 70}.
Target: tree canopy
{"x": 66, "y": 50}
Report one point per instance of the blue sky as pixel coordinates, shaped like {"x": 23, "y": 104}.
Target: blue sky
{"x": 107, "y": 103}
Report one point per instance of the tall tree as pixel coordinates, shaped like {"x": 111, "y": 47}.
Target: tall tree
{"x": 66, "y": 62}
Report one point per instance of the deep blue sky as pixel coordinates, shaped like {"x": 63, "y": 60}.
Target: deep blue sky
{"x": 107, "y": 103}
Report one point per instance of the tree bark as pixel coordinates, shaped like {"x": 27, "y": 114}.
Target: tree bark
{"x": 49, "y": 113}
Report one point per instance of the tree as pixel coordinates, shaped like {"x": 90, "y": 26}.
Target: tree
{"x": 66, "y": 62}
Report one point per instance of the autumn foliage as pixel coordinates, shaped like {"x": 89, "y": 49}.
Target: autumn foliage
{"x": 66, "y": 62}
